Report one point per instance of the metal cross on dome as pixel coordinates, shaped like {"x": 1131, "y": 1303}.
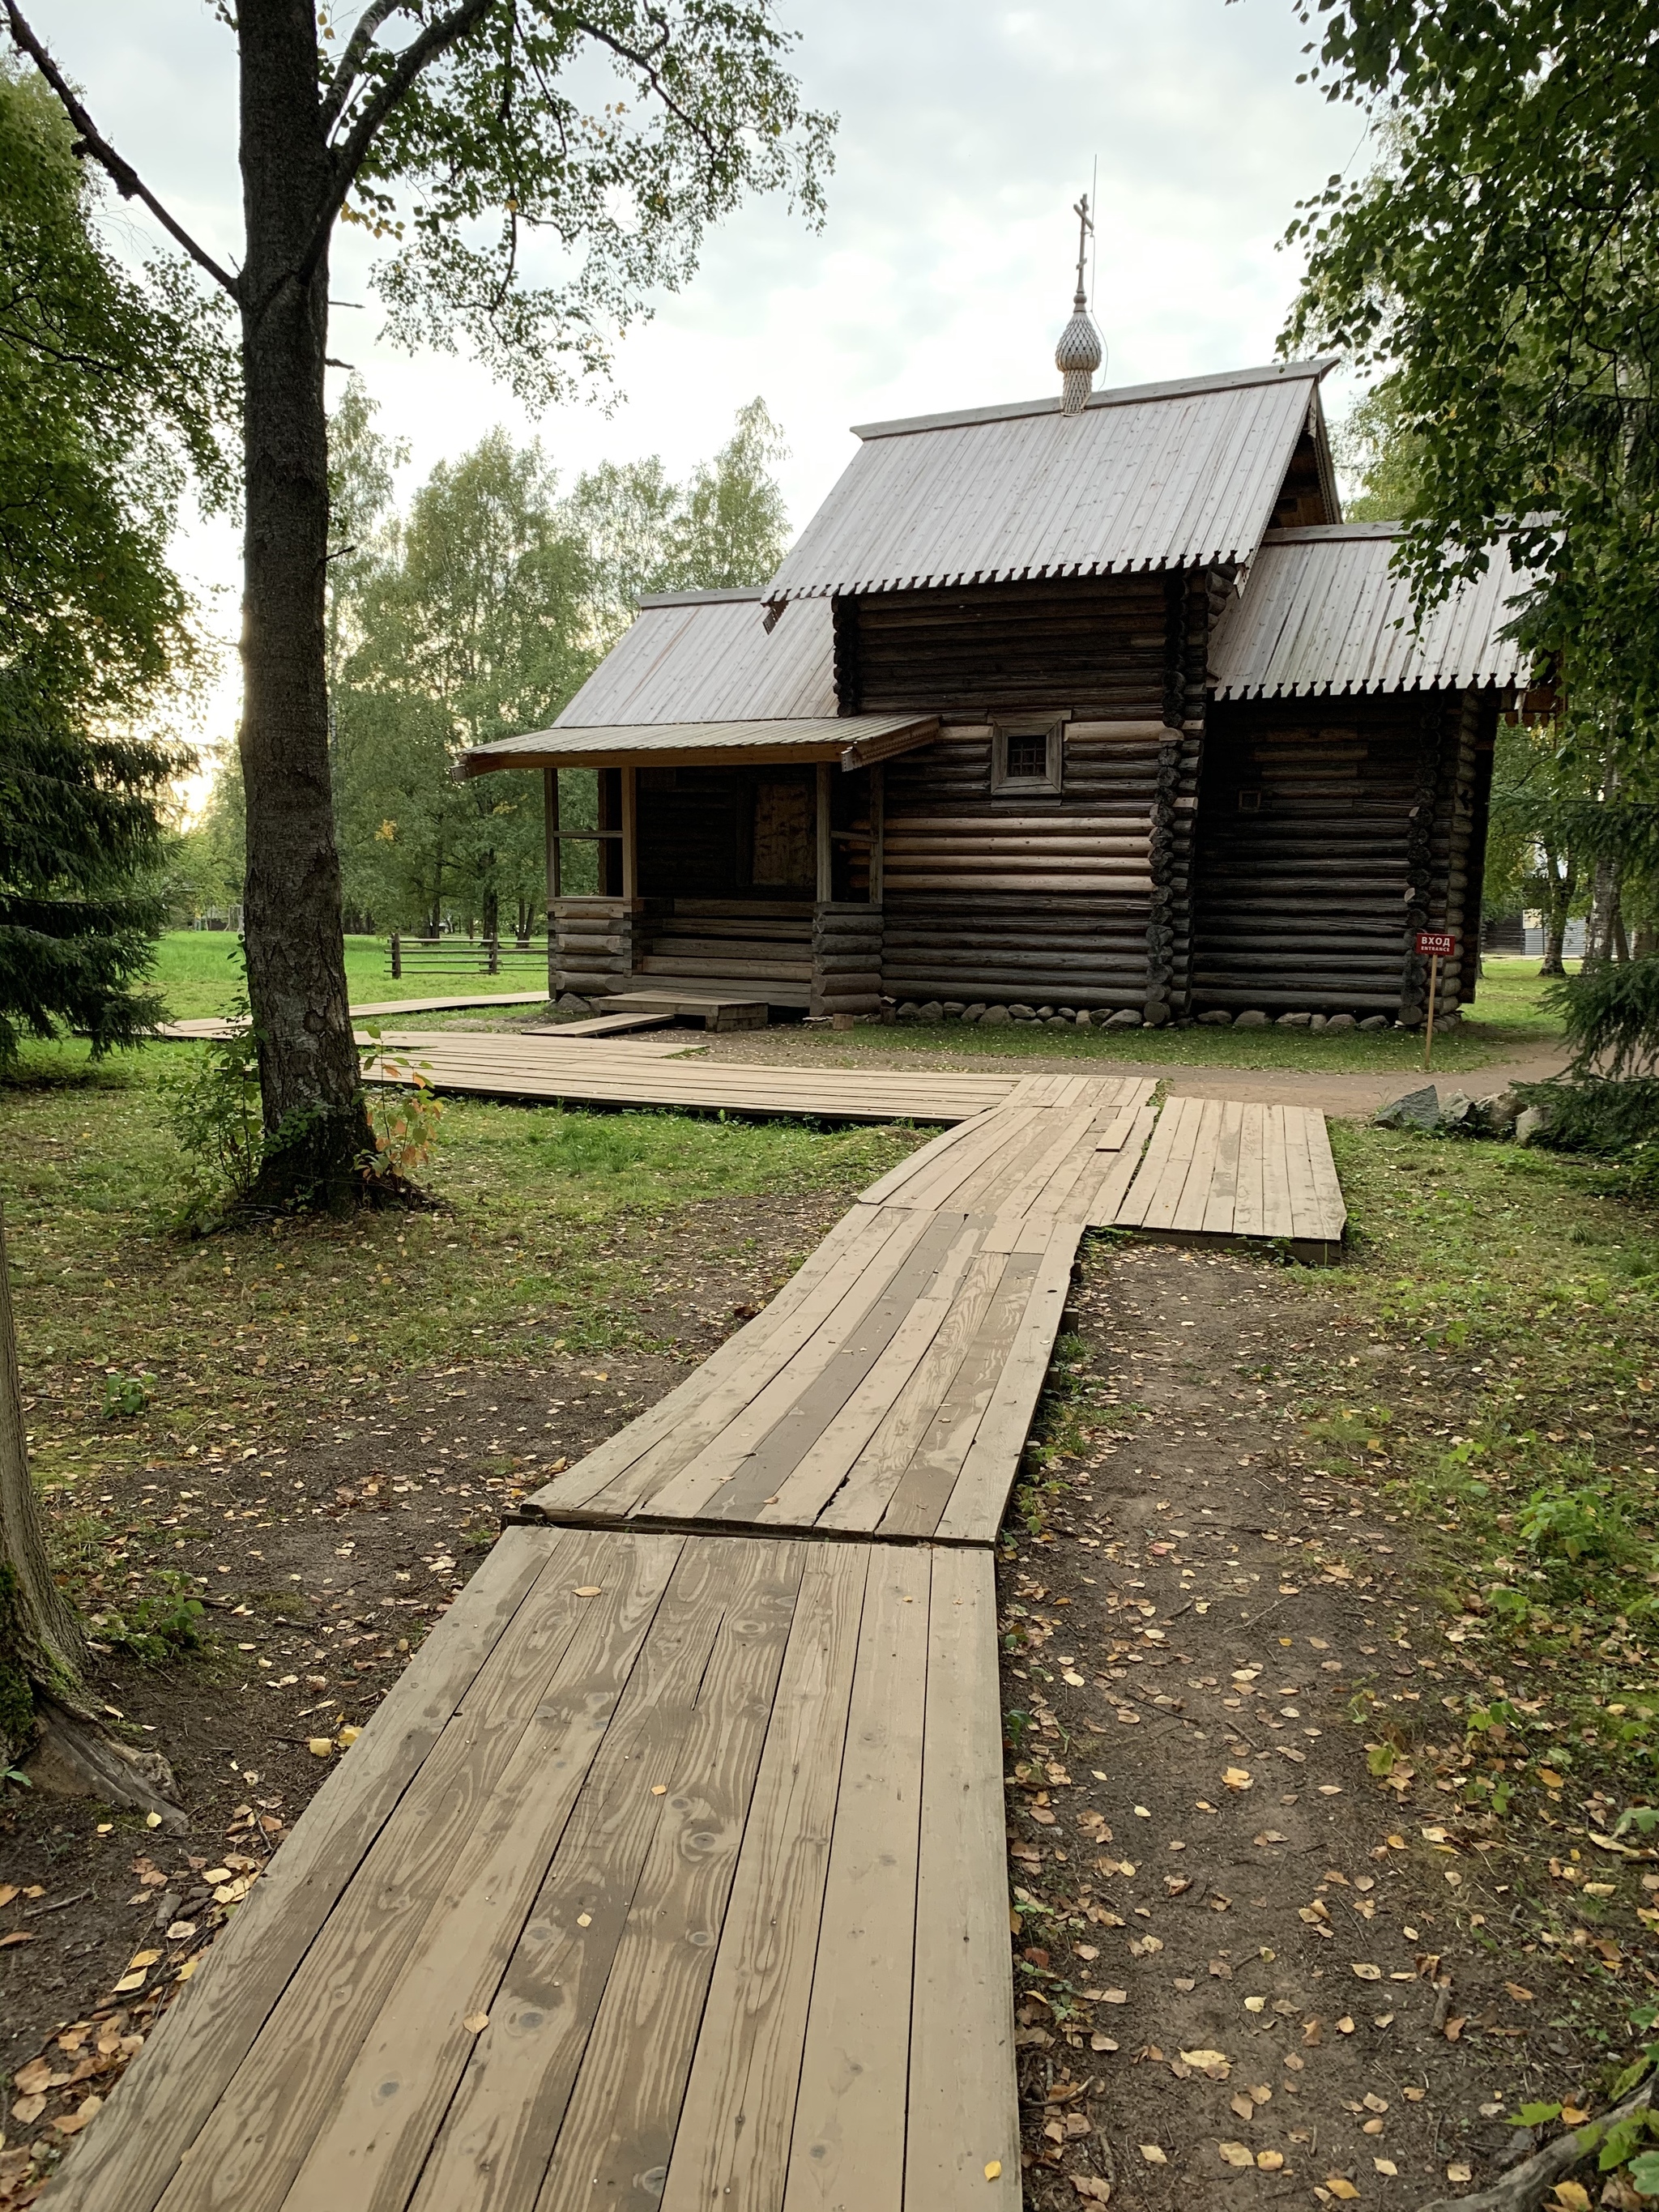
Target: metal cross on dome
{"x": 1085, "y": 225}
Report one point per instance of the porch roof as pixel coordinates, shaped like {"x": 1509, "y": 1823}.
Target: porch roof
{"x": 854, "y": 740}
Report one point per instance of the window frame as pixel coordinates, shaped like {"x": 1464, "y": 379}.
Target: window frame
{"x": 1051, "y": 730}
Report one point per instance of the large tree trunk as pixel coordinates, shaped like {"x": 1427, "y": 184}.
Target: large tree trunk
{"x": 40, "y": 1640}
{"x": 43, "y": 1708}
{"x": 315, "y": 1127}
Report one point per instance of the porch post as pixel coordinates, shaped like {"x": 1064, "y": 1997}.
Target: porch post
{"x": 826, "y": 891}
{"x": 630, "y": 858}
{"x": 877, "y": 831}
{"x": 552, "y": 858}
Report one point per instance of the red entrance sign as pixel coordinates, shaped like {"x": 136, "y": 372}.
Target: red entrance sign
{"x": 1435, "y": 945}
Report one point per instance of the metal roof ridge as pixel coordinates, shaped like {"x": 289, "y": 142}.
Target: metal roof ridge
{"x": 1320, "y": 533}
{"x": 1124, "y": 395}
{"x": 699, "y": 598}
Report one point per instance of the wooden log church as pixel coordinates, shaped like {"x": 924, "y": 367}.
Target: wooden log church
{"x": 1089, "y": 705}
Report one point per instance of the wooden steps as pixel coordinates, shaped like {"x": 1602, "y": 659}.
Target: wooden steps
{"x": 670, "y": 1873}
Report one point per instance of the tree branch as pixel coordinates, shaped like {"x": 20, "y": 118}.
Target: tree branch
{"x": 351, "y": 61}
{"x": 121, "y": 173}
{"x": 349, "y": 156}
{"x": 647, "y": 70}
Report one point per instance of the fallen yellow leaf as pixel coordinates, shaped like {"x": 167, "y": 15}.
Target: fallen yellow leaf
{"x": 1386, "y": 2166}
{"x": 1255, "y": 2004}
{"x": 1457, "y": 2171}
{"x": 1239, "y": 1778}
{"x": 475, "y": 2022}
{"x": 1368, "y": 1972}
{"x": 1214, "y": 2064}
{"x": 993, "y": 2169}
{"x": 1571, "y": 2197}
{"x": 1237, "y": 2154}
{"x": 319, "y": 1746}
{"x": 589, "y": 1590}
{"x": 1270, "y": 2161}
{"x": 1339, "y": 2187}
{"x": 1152, "y": 2154}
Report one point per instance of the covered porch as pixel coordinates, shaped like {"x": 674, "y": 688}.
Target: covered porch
{"x": 731, "y": 872}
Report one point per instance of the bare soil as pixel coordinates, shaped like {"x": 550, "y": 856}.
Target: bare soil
{"x": 323, "y": 1546}
{"x": 1243, "y": 1963}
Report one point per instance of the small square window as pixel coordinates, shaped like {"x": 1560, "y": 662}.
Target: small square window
{"x": 1027, "y": 755}
{"x": 1249, "y": 802}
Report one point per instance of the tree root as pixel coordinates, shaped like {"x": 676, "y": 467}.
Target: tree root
{"x": 75, "y": 1758}
{"x": 1522, "y": 2188}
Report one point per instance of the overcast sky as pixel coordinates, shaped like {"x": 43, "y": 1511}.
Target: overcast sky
{"x": 944, "y": 272}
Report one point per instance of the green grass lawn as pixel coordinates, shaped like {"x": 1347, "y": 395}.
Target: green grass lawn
{"x": 547, "y": 1221}
{"x": 1489, "y": 1356}
{"x": 1507, "y": 1019}
{"x": 199, "y": 971}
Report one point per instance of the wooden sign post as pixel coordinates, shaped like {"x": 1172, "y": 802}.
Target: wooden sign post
{"x": 1434, "y": 945}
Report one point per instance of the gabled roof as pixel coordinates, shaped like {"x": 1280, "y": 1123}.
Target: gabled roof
{"x": 1151, "y": 475}
{"x": 1322, "y": 610}
{"x": 708, "y": 656}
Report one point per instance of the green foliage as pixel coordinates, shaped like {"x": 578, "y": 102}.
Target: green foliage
{"x": 1596, "y": 1115}
{"x": 475, "y": 616}
{"x": 16, "y": 1692}
{"x": 1610, "y": 1014}
{"x": 210, "y": 1096}
{"x": 111, "y": 390}
{"x": 725, "y": 528}
{"x": 125, "y": 1396}
{"x": 1587, "y": 1523}
{"x": 1371, "y": 443}
{"x": 614, "y": 136}
{"x": 157, "y": 1626}
{"x": 81, "y": 846}
{"x": 1498, "y": 265}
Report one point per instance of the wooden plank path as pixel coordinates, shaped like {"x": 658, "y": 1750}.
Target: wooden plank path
{"x": 211, "y": 1027}
{"x": 1217, "y": 1168}
{"x": 887, "y": 1388}
{"x": 658, "y": 1072}
{"x": 671, "y": 1875}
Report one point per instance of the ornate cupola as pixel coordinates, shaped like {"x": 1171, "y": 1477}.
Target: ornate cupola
{"x": 1079, "y": 352}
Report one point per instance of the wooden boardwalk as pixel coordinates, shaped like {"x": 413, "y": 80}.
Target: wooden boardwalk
{"x": 889, "y": 1387}
{"x": 671, "y": 1875}
{"x": 662, "y": 1071}
{"x": 1217, "y": 1168}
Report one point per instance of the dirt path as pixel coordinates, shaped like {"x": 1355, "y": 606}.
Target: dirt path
{"x": 1242, "y": 1962}
{"x": 1354, "y": 1096}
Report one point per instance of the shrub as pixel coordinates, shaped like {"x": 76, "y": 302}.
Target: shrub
{"x": 1610, "y": 1012}
{"x": 211, "y": 1094}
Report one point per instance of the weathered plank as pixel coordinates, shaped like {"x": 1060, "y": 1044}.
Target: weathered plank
{"x": 731, "y": 2149}
{"x": 847, "y": 2146}
{"x": 171, "y": 2090}
{"x": 963, "y": 2117}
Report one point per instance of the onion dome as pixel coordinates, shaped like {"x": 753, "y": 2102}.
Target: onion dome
{"x": 1076, "y": 357}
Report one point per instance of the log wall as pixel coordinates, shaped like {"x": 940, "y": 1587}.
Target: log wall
{"x": 1006, "y": 897}
{"x": 1100, "y": 648}
{"x": 1328, "y": 832}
